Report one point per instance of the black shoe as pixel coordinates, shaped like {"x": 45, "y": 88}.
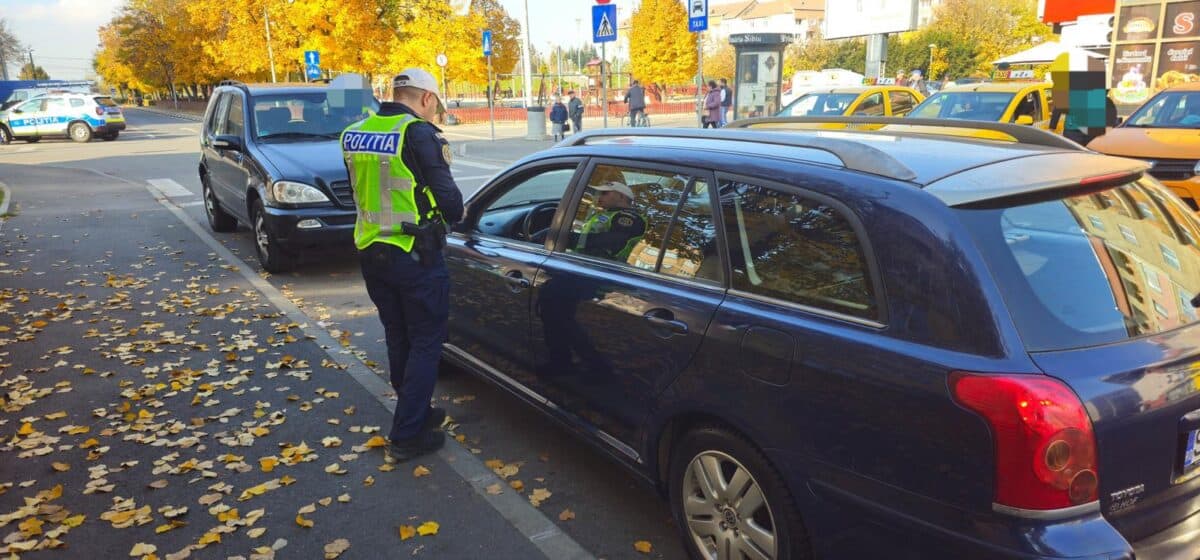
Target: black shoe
{"x": 435, "y": 419}
{"x": 399, "y": 451}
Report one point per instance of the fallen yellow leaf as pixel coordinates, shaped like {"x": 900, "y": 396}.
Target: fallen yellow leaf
{"x": 268, "y": 463}
{"x": 60, "y": 467}
{"x": 344, "y": 498}
{"x": 370, "y": 480}
{"x": 335, "y": 469}
{"x": 377, "y": 441}
{"x": 209, "y": 538}
{"x": 325, "y": 501}
{"x": 142, "y": 549}
{"x": 256, "y": 532}
{"x": 538, "y": 496}
{"x": 27, "y": 428}
{"x": 428, "y": 528}
{"x": 407, "y": 532}
{"x": 310, "y": 508}
{"x": 420, "y": 471}
{"x": 517, "y": 485}
{"x": 387, "y": 467}
{"x": 566, "y": 515}
{"x": 336, "y": 548}
{"x": 174, "y": 524}
{"x": 301, "y": 521}
{"x": 643, "y": 546}
{"x": 158, "y": 484}
{"x": 495, "y": 489}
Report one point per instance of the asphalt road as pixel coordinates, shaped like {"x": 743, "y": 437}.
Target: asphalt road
{"x": 95, "y": 195}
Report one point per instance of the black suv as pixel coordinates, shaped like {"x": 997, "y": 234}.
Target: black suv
{"x": 269, "y": 158}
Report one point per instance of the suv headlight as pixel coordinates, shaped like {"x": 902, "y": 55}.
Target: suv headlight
{"x": 290, "y": 192}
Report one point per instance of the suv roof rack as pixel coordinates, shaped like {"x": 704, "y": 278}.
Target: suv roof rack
{"x": 857, "y": 156}
{"x": 234, "y": 83}
{"x": 1023, "y": 134}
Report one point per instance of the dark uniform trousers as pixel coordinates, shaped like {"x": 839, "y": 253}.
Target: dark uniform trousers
{"x": 413, "y": 302}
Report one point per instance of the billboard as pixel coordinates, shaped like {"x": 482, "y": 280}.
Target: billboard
{"x": 855, "y": 18}
{"x": 1062, "y": 11}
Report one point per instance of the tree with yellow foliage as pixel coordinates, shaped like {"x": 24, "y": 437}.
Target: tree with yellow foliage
{"x": 661, "y": 50}
{"x": 506, "y": 32}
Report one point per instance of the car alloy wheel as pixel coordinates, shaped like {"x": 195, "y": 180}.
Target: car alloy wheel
{"x": 261, "y": 238}
{"x": 218, "y": 219}
{"x": 5, "y": 137}
{"x": 271, "y": 255}
{"x": 726, "y": 510}
{"x": 80, "y": 132}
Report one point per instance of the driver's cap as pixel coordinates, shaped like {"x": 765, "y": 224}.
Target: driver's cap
{"x": 615, "y": 186}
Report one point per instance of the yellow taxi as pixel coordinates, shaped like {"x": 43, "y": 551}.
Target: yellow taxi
{"x": 1016, "y": 102}
{"x": 1164, "y": 131}
{"x": 862, "y": 101}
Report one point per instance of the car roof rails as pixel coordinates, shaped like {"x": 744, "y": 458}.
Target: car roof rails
{"x": 235, "y": 83}
{"x": 857, "y": 156}
{"x": 1023, "y": 134}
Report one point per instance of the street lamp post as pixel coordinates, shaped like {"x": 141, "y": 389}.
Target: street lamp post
{"x": 932, "y": 48}
{"x": 270, "y": 53}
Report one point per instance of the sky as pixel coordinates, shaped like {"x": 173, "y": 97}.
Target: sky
{"x": 62, "y": 33}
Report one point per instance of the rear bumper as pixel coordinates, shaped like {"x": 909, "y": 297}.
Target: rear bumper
{"x": 110, "y": 127}
{"x": 312, "y": 228}
{"x": 1180, "y": 541}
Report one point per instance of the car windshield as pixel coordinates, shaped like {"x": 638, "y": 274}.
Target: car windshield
{"x": 966, "y": 105}
{"x": 106, "y": 101}
{"x": 315, "y": 114}
{"x": 819, "y": 104}
{"x": 1094, "y": 269}
{"x": 1169, "y": 109}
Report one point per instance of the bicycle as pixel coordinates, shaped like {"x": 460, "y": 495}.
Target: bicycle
{"x": 642, "y": 121}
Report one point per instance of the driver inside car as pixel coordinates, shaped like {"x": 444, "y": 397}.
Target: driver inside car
{"x": 614, "y": 228}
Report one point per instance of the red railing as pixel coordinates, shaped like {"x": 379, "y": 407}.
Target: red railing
{"x": 615, "y": 109}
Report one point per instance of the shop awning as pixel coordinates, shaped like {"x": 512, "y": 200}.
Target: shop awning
{"x": 1045, "y": 53}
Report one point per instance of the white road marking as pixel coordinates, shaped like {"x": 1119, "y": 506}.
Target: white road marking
{"x": 188, "y": 129}
{"x": 26, "y": 149}
{"x": 169, "y": 188}
{"x": 190, "y": 204}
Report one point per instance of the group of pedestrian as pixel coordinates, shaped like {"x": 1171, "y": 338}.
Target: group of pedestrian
{"x": 560, "y": 113}
{"x": 717, "y": 103}
{"x": 915, "y": 80}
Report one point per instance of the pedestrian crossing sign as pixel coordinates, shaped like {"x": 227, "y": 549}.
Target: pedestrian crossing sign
{"x": 604, "y": 23}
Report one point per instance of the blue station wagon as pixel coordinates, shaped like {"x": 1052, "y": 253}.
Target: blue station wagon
{"x": 854, "y": 344}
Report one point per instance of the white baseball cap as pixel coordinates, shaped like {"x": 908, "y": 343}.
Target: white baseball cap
{"x": 614, "y": 186}
{"x": 420, "y": 79}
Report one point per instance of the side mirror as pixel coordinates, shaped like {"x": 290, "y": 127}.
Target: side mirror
{"x": 1025, "y": 120}
{"x": 17, "y": 111}
{"x": 228, "y": 142}
{"x": 1120, "y": 121}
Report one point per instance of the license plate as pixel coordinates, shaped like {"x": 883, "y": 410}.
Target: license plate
{"x": 1191, "y": 451}
{"x": 116, "y": 118}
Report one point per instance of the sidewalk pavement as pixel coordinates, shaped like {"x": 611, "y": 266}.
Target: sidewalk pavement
{"x": 158, "y": 400}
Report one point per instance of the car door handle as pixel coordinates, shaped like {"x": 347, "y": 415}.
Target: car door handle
{"x": 663, "y": 319}
{"x": 516, "y": 282}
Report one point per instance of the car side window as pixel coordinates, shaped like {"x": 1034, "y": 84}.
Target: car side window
{"x": 218, "y": 113}
{"x": 690, "y": 249}
{"x": 235, "y": 122}
{"x": 31, "y": 106}
{"x": 872, "y": 106}
{"x": 624, "y": 212}
{"x": 533, "y": 198}
{"x": 55, "y": 104}
{"x": 902, "y": 103}
{"x": 76, "y": 102}
{"x": 791, "y": 248}
{"x": 1029, "y": 107}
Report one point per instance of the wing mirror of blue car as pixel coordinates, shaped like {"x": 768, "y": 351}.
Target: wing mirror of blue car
{"x": 228, "y": 142}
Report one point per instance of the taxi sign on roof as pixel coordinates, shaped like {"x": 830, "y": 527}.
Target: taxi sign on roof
{"x": 1012, "y": 75}
{"x": 879, "y": 81}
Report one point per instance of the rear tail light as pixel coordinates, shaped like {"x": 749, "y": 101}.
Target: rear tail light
{"x": 99, "y": 111}
{"x": 1045, "y": 447}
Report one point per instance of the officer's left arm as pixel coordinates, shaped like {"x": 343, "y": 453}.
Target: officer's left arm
{"x": 430, "y": 153}
{"x": 626, "y": 225}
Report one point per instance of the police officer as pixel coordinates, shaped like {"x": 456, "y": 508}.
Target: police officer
{"x": 399, "y": 167}
{"x": 613, "y": 231}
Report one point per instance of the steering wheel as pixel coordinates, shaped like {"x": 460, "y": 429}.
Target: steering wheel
{"x": 527, "y": 223}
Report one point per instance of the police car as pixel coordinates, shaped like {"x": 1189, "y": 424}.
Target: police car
{"x": 79, "y": 116}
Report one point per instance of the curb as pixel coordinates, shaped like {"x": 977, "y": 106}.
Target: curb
{"x": 183, "y": 116}
{"x": 530, "y": 522}
{"x": 7, "y": 200}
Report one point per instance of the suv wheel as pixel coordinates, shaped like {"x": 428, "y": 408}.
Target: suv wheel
{"x": 80, "y": 132}
{"x": 5, "y": 136}
{"x": 270, "y": 254}
{"x": 218, "y": 219}
{"x": 729, "y": 502}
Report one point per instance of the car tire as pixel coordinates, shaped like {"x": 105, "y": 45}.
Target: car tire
{"x": 32, "y": 139}
{"x": 5, "y": 136}
{"x": 271, "y": 255}
{"x": 760, "y": 514}
{"x": 218, "y": 219}
{"x": 80, "y": 132}
{"x": 111, "y": 136}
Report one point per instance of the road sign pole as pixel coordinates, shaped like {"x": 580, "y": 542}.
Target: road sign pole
{"x": 699, "y": 78}
{"x": 491, "y": 98}
{"x": 604, "y": 83}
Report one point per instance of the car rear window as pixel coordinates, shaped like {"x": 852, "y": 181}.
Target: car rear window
{"x": 106, "y": 101}
{"x": 1094, "y": 269}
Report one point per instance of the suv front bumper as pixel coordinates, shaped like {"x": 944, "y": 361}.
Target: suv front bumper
{"x": 318, "y": 228}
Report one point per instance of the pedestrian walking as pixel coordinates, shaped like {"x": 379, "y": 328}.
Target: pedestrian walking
{"x": 712, "y": 106}
{"x": 917, "y": 82}
{"x": 558, "y": 118}
{"x": 575, "y": 111}
{"x": 900, "y": 81}
{"x": 726, "y": 101}
{"x": 636, "y": 99}
{"x": 399, "y": 166}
